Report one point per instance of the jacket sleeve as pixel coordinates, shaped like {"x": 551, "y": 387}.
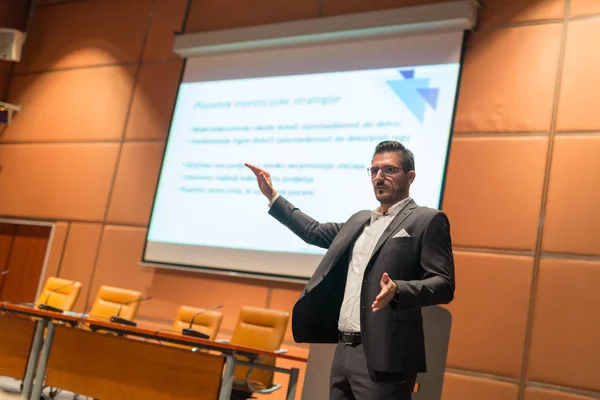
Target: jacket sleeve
{"x": 437, "y": 262}
{"x": 309, "y": 230}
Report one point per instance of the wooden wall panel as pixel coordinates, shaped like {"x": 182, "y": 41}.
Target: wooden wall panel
{"x": 566, "y": 326}
{"x": 501, "y": 12}
{"x": 209, "y": 15}
{"x": 79, "y": 258}
{"x": 505, "y": 72}
{"x": 153, "y": 101}
{"x": 62, "y": 181}
{"x": 460, "y": 387}
{"x": 580, "y": 81}
{"x": 283, "y": 299}
{"x": 85, "y": 33}
{"x": 580, "y": 8}
{"x": 339, "y": 7}
{"x": 135, "y": 183}
{"x": 76, "y": 105}
{"x": 547, "y": 394}
{"x": 13, "y": 13}
{"x": 503, "y": 179}
{"x": 478, "y": 342}
{"x": 174, "y": 288}
{"x": 573, "y": 197}
{"x": 167, "y": 19}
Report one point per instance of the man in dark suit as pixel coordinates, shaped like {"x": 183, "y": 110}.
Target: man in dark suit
{"x": 381, "y": 267}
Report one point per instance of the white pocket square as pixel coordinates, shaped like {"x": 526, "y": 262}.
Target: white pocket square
{"x": 401, "y": 233}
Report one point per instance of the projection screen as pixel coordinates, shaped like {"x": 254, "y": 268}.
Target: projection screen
{"x": 311, "y": 115}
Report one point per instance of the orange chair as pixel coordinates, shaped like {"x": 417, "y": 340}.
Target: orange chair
{"x": 208, "y": 322}
{"x": 111, "y": 301}
{"x": 59, "y": 293}
{"x": 262, "y": 329}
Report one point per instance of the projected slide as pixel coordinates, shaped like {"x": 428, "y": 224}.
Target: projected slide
{"x": 315, "y": 133}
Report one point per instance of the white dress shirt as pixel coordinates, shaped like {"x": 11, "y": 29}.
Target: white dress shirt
{"x": 361, "y": 254}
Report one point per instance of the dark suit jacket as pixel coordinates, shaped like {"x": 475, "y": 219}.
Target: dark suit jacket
{"x": 422, "y": 265}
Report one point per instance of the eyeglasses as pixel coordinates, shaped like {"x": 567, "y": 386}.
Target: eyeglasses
{"x": 386, "y": 170}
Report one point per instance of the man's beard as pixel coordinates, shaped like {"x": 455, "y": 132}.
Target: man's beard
{"x": 388, "y": 195}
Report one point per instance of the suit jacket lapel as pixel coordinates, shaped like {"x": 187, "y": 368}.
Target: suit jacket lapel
{"x": 402, "y": 215}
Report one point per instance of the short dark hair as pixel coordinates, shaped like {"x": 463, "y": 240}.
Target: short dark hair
{"x": 407, "y": 158}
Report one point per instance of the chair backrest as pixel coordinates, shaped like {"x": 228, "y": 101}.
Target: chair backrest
{"x": 262, "y": 329}
{"x": 60, "y": 293}
{"x": 208, "y": 322}
{"x": 110, "y": 299}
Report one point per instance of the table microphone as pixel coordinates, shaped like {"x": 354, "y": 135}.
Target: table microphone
{"x": 118, "y": 320}
{"x": 194, "y": 333}
{"x": 47, "y": 307}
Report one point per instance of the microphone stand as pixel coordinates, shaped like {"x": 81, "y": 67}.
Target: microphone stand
{"x": 194, "y": 333}
{"x": 119, "y": 320}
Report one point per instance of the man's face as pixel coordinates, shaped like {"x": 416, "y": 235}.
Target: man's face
{"x": 393, "y": 186}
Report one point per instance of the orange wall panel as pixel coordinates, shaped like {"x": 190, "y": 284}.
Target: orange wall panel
{"x": 117, "y": 263}
{"x": 461, "y": 387}
{"x": 208, "y": 15}
{"x": 174, "y": 288}
{"x": 566, "y": 327}
{"x": 80, "y": 256}
{"x": 572, "y": 213}
{"x": 488, "y": 335}
{"x": 584, "y": 7}
{"x": 500, "y": 12}
{"x": 56, "y": 181}
{"x": 85, "y": 33}
{"x": 135, "y": 183}
{"x": 494, "y": 191}
{"x": 338, "y": 7}
{"x": 57, "y": 247}
{"x": 76, "y": 105}
{"x": 283, "y": 299}
{"x": 6, "y": 68}
{"x": 508, "y": 80}
{"x": 578, "y": 102}
{"x": 13, "y": 13}
{"x": 50, "y": 2}
{"x": 546, "y": 394}
{"x": 153, "y": 101}
{"x": 4, "y": 80}
{"x": 167, "y": 19}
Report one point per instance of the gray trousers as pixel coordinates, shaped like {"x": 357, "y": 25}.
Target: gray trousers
{"x": 350, "y": 378}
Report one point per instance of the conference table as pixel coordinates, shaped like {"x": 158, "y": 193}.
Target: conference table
{"x": 105, "y": 360}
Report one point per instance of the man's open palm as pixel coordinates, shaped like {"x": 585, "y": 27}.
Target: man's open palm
{"x": 263, "y": 178}
{"x": 388, "y": 291}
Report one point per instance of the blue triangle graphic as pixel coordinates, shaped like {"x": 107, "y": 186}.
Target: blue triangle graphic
{"x": 430, "y": 95}
{"x": 408, "y": 74}
{"x": 406, "y": 90}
